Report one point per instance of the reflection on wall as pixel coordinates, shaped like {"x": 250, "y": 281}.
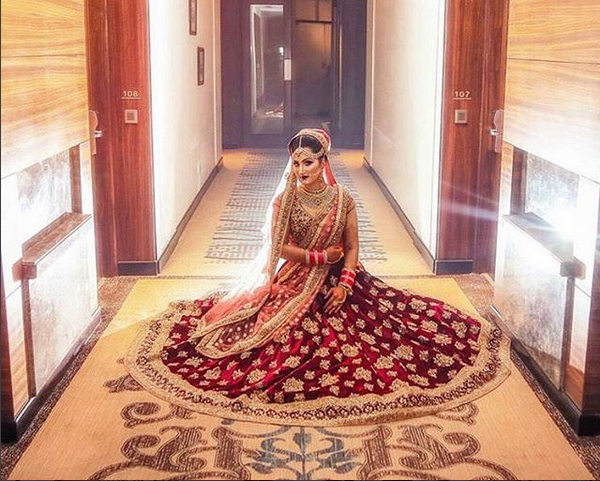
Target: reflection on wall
{"x": 532, "y": 295}
{"x": 551, "y": 193}
{"x": 545, "y": 255}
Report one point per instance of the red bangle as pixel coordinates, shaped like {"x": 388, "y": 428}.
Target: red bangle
{"x": 348, "y": 277}
{"x": 316, "y": 257}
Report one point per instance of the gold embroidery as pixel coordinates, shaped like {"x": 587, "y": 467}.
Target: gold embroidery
{"x": 322, "y": 352}
{"x": 213, "y": 373}
{"x": 442, "y": 339}
{"x": 405, "y": 352}
{"x": 324, "y": 364}
{"x": 420, "y": 380}
{"x": 489, "y": 369}
{"x": 367, "y": 338}
{"x": 398, "y": 385}
{"x": 460, "y": 328}
{"x": 256, "y": 375}
{"x": 293, "y": 385}
{"x": 418, "y": 305}
{"x": 430, "y": 326}
{"x": 310, "y": 326}
{"x": 292, "y": 362}
{"x": 384, "y": 362}
{"x": 362, "y": 373}
{"x": 328, "y": 380}
{"x": 349, "y": 350}
{"x": 442, "y": 360}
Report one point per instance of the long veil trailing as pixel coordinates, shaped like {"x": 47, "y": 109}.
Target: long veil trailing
{"x": 254, "y": 286}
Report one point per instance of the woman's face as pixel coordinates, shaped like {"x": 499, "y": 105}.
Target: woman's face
{"x": 309, "y": 172}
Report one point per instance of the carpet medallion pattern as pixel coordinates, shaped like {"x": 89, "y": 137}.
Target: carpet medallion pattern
{"x": 182, "y": 449}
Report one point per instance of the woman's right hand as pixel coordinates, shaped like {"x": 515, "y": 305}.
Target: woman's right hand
{"x": 334, "y": 254}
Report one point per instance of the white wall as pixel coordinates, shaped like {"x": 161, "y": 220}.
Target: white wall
{"x": 185, "y": 120}
{"x": 404, "y": 105}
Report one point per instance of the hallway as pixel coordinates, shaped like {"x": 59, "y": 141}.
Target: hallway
{"x": 142, "y": 142}
{"x": 117, "y": 430}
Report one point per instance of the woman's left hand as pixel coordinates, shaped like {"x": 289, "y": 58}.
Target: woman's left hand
{"x": 335, "y": 299}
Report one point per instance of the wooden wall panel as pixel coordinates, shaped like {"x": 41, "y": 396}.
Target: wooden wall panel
{"x": 552, "y": 111}
{"x": 460, "y": 142}
{"x": 44, "y": 108}
{"x": 18, "y": 354}
{"x": 7, "y": 408}
{"x": 133, "y": 183}
{"x": 555, "y": 30}
{"x": 591, "y": 387}
{"x": 41, "y": 28}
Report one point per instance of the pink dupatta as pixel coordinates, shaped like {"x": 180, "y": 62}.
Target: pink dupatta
{"x": 268, "y": 298}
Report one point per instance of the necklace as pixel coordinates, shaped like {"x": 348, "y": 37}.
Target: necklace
{"x": 314, "y": 192}
{"x": 315, "y": 199}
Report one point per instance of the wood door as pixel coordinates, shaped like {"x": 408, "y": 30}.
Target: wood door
{"x": 103, "y": 173}
{"x": 490, "y": 153}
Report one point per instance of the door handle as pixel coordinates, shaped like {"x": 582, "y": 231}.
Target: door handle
{"x": 98, "y": 134}
{"x": 497, "y": 130}
{"x": 287, "y": 69}
{"x": 93, "y": 116}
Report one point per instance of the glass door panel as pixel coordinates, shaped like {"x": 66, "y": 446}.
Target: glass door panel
{"x": 267, "y": 54}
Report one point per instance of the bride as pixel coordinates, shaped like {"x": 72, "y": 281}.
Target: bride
{"x": 309, "y": 337}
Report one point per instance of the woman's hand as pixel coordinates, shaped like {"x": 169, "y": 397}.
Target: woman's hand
{"x": 334, "y": 254}
{"x": 335, "y": 299}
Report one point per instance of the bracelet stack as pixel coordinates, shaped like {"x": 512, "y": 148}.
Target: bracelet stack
{"x": 347, "y": 279}
{"x": 315, "y": 257}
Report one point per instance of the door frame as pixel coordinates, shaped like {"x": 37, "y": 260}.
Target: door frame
{"x": 488, "y": 169}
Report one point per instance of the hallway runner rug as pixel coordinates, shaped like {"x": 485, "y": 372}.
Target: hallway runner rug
{"x": 238, "y": 236}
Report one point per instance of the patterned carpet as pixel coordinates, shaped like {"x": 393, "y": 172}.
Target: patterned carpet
{"x": 238, "y": 236}
{"x": 116, "y": 430}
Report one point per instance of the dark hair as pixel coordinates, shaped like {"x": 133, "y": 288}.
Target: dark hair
{"x": 308, "y": 141}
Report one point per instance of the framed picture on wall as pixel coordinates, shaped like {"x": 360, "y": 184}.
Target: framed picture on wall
{"x": 200, "y": 61}
{"x": 193, "y": 16}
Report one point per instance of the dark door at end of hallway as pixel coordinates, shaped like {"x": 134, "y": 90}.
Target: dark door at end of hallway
{"x": 282, "y": 70}
{"x": 287, "y": 68}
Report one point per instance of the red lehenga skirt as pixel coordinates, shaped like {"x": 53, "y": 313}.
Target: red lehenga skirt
{"x": 388, "y": 354}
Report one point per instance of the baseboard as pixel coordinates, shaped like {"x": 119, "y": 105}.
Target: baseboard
{"x": 12, "y": 430}
{"x": 453, "y": 266}
{"x": 164, "y": 257}
{"x": 421, "y": 247}
{"x": 584, "y": 424}
{"x": 137, "y": 268}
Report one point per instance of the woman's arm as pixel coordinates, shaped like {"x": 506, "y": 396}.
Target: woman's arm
{"x": 293, "y": 253}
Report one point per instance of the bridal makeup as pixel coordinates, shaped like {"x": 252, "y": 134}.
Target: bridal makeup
{"x": 309, "y": 172}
